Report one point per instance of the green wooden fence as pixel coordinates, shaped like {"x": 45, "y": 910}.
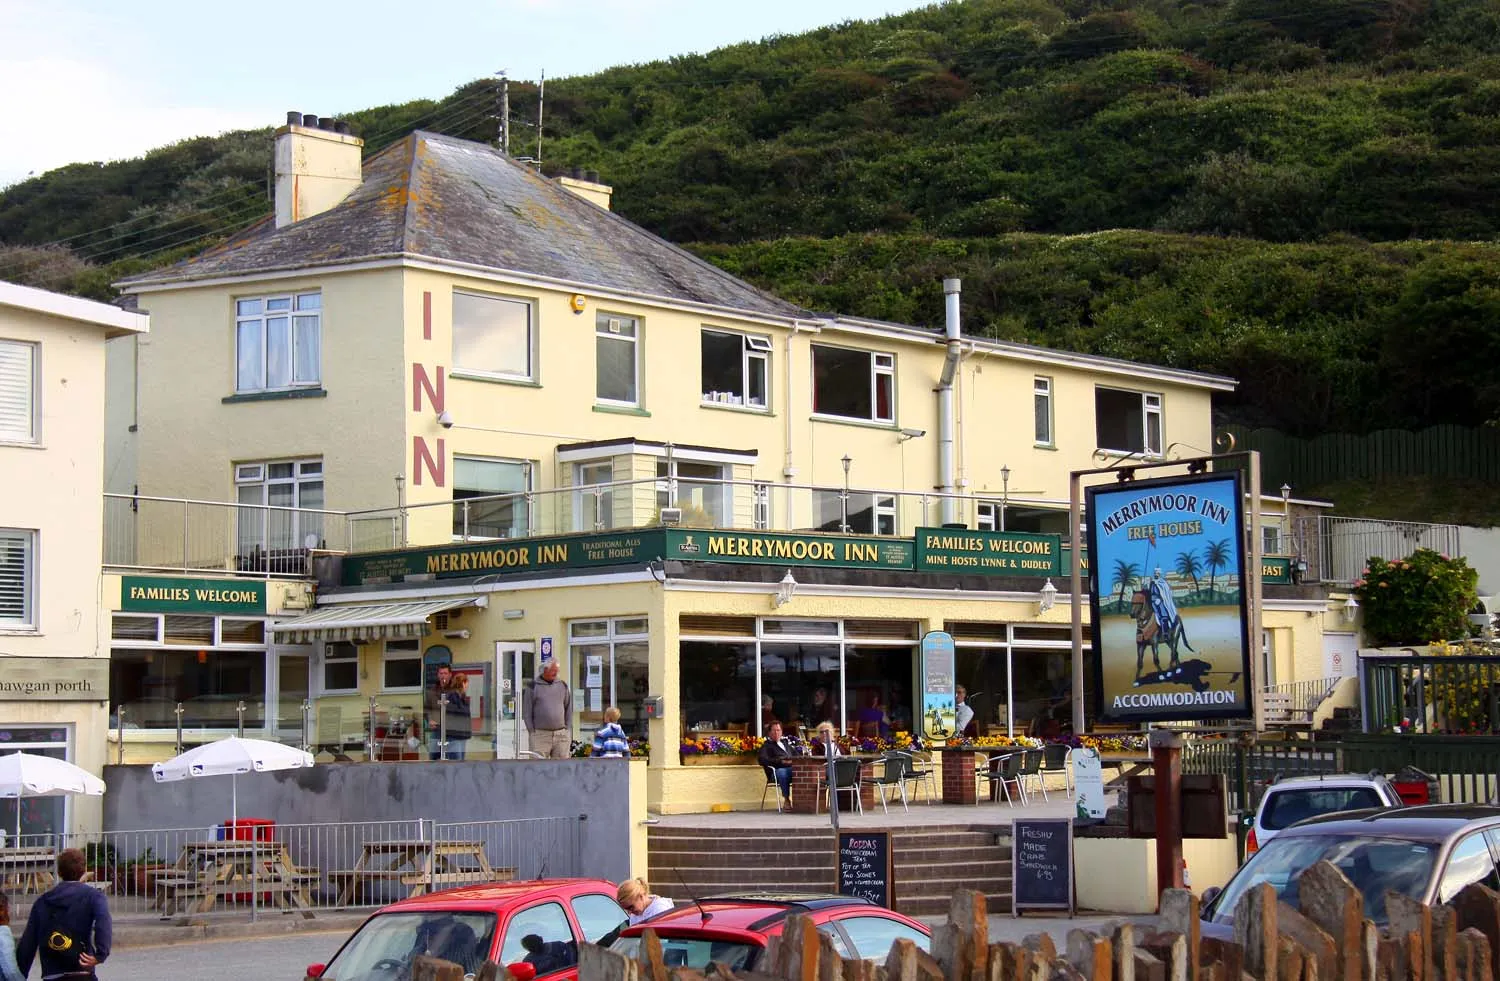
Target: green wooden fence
{"x": 1439, "y": 451}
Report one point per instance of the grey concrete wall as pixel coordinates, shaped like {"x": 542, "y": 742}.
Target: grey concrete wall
{"x": 450, "y": 792}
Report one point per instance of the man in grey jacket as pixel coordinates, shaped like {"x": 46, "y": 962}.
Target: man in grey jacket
{"x": 546, "y": 709}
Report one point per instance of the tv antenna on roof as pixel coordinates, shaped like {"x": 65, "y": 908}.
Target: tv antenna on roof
{"x": 541, "y": 96}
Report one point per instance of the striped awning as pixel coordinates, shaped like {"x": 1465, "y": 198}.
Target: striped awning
{"x": 384, "y": 621}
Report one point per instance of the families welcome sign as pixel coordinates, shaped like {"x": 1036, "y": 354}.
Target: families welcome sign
{"x": 1169, "y": 599}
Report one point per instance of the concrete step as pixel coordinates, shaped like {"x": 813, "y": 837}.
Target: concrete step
{"x": 742, "y": 843}
{"x": 972, "y": 871}
{"x": 942, "y": 854}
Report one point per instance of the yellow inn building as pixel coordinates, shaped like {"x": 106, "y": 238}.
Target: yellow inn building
{"x": 442, "y": 409}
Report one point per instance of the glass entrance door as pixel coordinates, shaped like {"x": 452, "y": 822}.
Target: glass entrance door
{"x": 515, "y": 667}
{"x": 293, "y": 686}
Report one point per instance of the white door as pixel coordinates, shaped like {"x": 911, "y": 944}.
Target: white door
{"x": 1339, "y": 656}
{"x": 515, "y": 666}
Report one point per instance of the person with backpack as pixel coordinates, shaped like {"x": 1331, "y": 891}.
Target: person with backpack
{"x": 69, "y": 926}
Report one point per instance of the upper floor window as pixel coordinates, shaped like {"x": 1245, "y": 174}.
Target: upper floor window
{"x": 278, "y": 342}
{"x": 736, "y": 368}
{"x": 283, "y": 507}
{"x": 594, "y": 501}
{"x": 18, "y": 385}
{"x": 494, "y": 516}
{"x": 854, "y": 384}
{"x": 17, "y": 578}
{"x": 1127, "y": 422}
{"x": 493, "y": 335}
{"x": 617, "y": 359}
{"x": 1041, "y": 398}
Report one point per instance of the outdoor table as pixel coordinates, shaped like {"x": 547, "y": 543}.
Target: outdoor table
{"x": 207, "y": 871}
{"x": 28, "y": 869}
{"x": 1126, "y": 765}
{"x": 417, "y": 864}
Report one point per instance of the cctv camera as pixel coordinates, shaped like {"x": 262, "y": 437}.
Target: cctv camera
{"x": 445, "y": 419}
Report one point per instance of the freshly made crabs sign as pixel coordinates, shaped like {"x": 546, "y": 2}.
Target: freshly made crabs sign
{"x": 1168, "y": 595}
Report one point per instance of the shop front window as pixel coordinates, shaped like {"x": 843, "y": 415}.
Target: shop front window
{"x": 42, "y": 818}
{"x": 1017, "y": 677}
{"x": 791, "y": 675}
{"x": 609, "y": 660}
{"x": 718, "y": 686}
{"x": 210, "y": 685}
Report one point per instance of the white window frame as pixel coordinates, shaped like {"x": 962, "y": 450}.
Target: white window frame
{"x": 20, "y": 389}
{"x": 528, "y": 472}
{"x": 987, "y": 515}
{"x": 1151, "y": 421}
{"x": 404, "y": 649}
{"x": 608, "y": 328}
{"x": 19, "y": 617}
{"x": 605, "y": 504}
{"x": 299, "y": 319}
{"x": 755, "y": 349}
{"x": 257, "y": 474}
{"x": 1041, "y": 398}
{"x": 882, "y": 367}
{"x": 530, "y": 374}
{"x": 761, "y": 518}
{"x": 324, "y": 660}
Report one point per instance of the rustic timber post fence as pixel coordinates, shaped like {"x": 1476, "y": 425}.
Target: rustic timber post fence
{"x": 1327, "y": 937}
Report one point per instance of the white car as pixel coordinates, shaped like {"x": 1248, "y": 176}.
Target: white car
{"x": 1288, "y": 801}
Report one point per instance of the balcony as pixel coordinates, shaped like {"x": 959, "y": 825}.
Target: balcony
{"x": 165, "y": 534}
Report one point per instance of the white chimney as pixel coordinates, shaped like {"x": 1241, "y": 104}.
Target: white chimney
{"x": 317, "y": 166}
{"x": 585, "y": 184}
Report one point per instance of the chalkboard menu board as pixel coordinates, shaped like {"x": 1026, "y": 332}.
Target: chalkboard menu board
{"x": 1041, "y": 865}
{"x": 865, "y": 865}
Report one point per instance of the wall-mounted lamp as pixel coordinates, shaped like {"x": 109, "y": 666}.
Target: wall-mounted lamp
{"x": 445, "y": 419}
{"x": 785, "y": 590}
{"x": 1351, "y": 608}
{"x": 1049, "y": 596}
{"x": 456, "y": 634}
{"x": 513, "y": 614}
{"x": 907, "y": 434}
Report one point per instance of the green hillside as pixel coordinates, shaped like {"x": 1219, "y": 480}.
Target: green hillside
{"x": 1304, "y": 194}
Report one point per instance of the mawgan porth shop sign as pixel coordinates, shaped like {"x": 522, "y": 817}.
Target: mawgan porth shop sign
{"x": 1168, "y": 595}
{"x": 506, "y": 557}
{"x": 161, "y": 594}
{"x": 806, "y": 550}
{"x": 54, "y": 679}
{"x": 994, "y": 553}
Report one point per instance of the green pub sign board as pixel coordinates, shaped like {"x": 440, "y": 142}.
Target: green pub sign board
{"x": 766, "y": 548}
{"x": 992, "y": 553}
{"x": 160, "y": 594}
{"x": 1275, "y": 570}
{"x": 513, "y": 557}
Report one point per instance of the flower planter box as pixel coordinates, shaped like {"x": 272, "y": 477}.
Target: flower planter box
{"x": 717, "y": 759}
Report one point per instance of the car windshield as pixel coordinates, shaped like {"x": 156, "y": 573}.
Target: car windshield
{"x": 1374, "y": 865}
{"x": 383, "y": 948}
{"x": 1285, "y": 808}
{"x": 695, "y": 952}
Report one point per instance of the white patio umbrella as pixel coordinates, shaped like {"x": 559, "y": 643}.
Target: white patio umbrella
{"x": 231, "y": 756}
{"x": 29, "y": 775}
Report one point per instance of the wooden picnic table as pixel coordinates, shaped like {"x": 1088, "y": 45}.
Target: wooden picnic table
{"x": 28, "y": 870}
{"x": 417, "y": 864}
{"x": 207, "y": 871}
{"x": 1126, "y": 763}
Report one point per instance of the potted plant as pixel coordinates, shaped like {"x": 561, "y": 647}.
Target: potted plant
{"x": 133, "y": 875}
{"x": 99, "y": 860}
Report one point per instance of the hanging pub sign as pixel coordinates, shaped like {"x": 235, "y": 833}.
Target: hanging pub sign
{"x": 1168, "y": 594}
{"x": 939, "y": 708}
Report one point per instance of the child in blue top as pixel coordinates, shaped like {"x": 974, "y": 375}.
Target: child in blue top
{"x": 610, "y": 739}
{"x": 9, "y": 971}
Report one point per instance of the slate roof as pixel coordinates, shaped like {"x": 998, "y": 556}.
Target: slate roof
{"x": 443, "y": 198}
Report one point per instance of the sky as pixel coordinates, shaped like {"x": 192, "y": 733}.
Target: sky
{"x": 100, "y": 80}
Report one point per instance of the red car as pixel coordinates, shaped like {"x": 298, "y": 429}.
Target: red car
{"x": 533, "y": 927}
{"x": 732, "y": 930}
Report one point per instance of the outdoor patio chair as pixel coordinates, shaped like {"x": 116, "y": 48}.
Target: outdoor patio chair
{"x": 1057, "y": 758}
{"x": 921, "y": 771}
{"x": 892, "y": 774}
{"x": 770, "y": 785}
{"x": 1006, "y": 772}
{"x": 1031, "y": 773}
{"x": 331, "y": 736}
{"x": 846, "y": 780}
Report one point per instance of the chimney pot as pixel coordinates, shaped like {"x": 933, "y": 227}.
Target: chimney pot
{"x": 344, "y": 128}
{"x": 328, "y": 124}
{"x": 576, "y": 173}
{"x": 293, "y": 118}
{"x": 310, "y": 121}
{"x": 593, "y": 175}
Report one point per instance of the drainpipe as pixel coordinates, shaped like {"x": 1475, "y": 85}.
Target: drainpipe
{"x": 945, "y": 400}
